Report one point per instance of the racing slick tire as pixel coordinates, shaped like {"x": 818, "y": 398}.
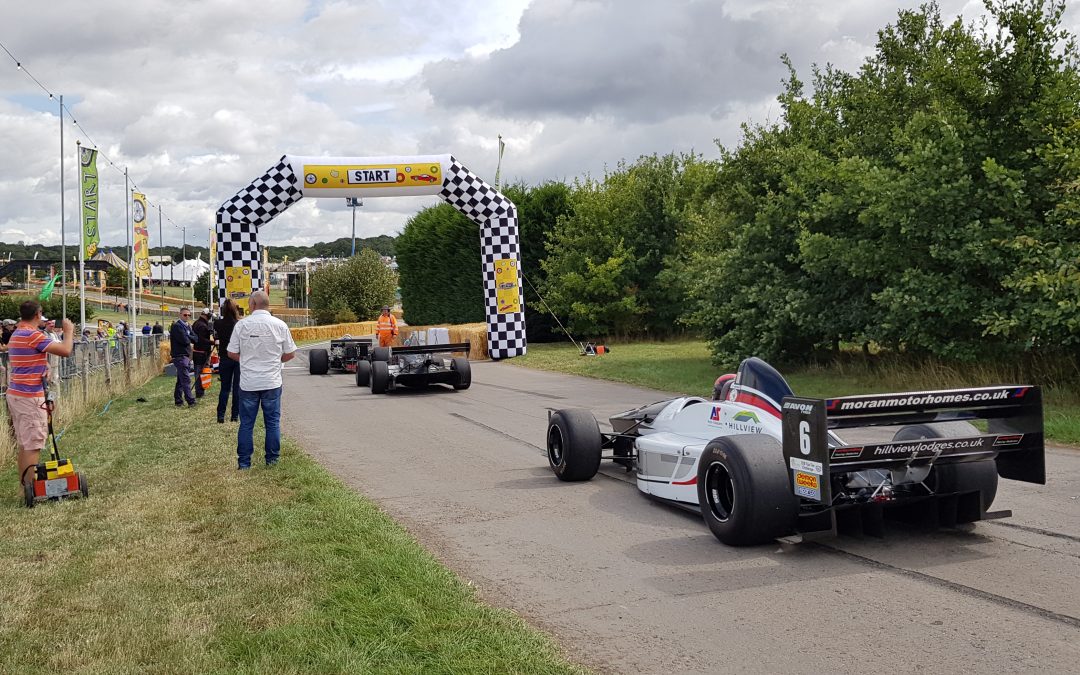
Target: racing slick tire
{"x": 573, "y": 444}
{"x": 745, "y": 491}
{"x": 380, "y": 377}
{"x": 460, "y": 365}
{"x": 363, "y": 373}
{"x": 380, "y": 354}
{"x": 318, "y": 362}
{"x": 963, "y": 477}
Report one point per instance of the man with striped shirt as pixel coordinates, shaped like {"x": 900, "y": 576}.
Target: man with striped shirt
{"x": 28, "y": 363}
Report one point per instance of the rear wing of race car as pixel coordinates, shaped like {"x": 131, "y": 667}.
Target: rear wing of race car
{"x": 431, "y": 349}
{"x": 1014, "y": 438}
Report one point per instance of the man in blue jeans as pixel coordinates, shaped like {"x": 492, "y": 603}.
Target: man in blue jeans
{"x": 261, "y": 343}
{"x": 180, "y": 339}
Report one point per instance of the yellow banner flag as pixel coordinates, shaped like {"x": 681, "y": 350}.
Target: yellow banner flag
{"x": 142, "y": 236}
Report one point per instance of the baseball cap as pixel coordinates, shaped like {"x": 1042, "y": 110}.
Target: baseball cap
{"x": 205, "y": 311}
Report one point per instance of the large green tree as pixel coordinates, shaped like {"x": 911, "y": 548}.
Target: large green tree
{"x": 353, "y": 290}
{"x": 921, "y": 203}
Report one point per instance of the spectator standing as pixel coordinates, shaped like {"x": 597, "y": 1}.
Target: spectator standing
{"x": 261, "y": 343}
{"x": 228, "y": 368}
{"x": 204, "y": 343}
{"x": 6, "y": 331}
{"x": 146, "y": 328}
{"x": 157, "y": 329}
{"x": 28, "y": 348}
{"x": 180, "y": 341}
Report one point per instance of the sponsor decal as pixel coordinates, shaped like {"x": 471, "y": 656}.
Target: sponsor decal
{"x": 714, "y": 416}
{"x": 807, "y": 485}
{"x": 806, "y": 466}
{"x": 742, "y": 422}
{"x": 746, "y": 416}
{"x": 804, "y": 408}
{"x": 927, "y": 399}
{"x": 1012, "y": 439}
{"x": 929, "y": 447}
{"x": 846, "y": 453}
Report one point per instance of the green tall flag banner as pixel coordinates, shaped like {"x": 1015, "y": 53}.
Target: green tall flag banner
{"x": 89, "y": 192}
{"x": 46, "y": 291}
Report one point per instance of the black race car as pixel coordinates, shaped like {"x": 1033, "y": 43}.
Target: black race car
{"x": 343, "y": 355}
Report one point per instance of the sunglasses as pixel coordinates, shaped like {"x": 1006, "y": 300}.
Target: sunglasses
{"x": 185, "y": 314}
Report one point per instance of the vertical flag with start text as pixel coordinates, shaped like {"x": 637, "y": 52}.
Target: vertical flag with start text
{"x": 88, "y": 189}
{"x": 141, "y": 240}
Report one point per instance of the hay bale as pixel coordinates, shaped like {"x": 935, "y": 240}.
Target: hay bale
{"x": 473, "y": 333}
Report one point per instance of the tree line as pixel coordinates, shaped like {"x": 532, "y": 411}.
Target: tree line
{"x": 926, "y": 203}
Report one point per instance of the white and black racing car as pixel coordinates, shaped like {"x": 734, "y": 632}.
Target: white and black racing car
{"x": 760, "y": 463}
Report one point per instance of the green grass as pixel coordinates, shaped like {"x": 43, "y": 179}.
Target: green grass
{"x": 685, "y": 367}
{"x": 179, "y": 563}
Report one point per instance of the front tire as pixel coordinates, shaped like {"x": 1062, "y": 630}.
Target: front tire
{"x": 28, "y": 494}
{"x": 744, "y": 490}
{"x": 573, "y": 444}
{"x": 363, "y": 373}
{"x": 461, "y": 366}
{"x": 318, "y": 362}
{"x": 380, "y": 377}
{"x": 83, "y": 487}
{"x": 955, "y": 477}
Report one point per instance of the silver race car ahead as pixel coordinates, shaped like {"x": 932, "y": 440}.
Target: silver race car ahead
{"x": 760, "y": 463}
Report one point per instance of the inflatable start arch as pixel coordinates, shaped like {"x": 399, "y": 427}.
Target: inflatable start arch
{"x": 293, "y": 178}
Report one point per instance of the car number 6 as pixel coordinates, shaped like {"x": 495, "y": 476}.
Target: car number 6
{"x": 804, "y": 437}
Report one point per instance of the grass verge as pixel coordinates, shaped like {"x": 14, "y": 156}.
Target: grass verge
{"x": 179, "y": 563}
{"x": 686, "y": 367}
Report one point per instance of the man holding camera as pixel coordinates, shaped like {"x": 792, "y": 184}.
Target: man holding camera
{"x": 27, "y": 352}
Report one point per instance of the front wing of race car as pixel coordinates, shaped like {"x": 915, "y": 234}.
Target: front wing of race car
{"x": 819, "y": 469}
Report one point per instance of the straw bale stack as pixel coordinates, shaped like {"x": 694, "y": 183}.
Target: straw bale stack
{"x": 473, "y": 333}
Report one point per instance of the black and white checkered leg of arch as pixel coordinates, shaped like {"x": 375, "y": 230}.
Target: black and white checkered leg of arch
{"x": 239, "y": 219}
{"x": 497, "y": 218}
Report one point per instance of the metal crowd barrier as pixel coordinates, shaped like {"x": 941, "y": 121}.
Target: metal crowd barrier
{"x": 88, "y": 358}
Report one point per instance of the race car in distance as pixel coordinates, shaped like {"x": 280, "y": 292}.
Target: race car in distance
{"x": 759, "y": 463}
{"x": 343, "y": 355}
{"x": 415, "y": 366}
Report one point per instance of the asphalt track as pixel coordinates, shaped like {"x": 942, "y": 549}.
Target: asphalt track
{"x": 629, "y": 585}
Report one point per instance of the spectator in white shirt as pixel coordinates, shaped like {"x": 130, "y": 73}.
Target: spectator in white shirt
{"x": 261, "y": 343}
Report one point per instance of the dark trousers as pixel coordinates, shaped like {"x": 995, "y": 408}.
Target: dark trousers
{"x": 200, "y": 361}
{"x": 230, "y": 383}
{"x": 182, "y": 390}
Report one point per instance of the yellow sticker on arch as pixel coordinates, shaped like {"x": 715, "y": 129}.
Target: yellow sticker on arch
{"x": 338, "y": 176}
{"x": 237, "y": 282}
{"x": 507, "y": 292}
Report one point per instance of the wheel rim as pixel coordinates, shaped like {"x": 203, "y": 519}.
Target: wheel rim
{"x": 719, "y": 491}
{"x": 555, "y": 445}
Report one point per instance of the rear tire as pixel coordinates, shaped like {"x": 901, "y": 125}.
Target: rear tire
{"x": 28, "y": 494}
{"x": 83, "y": 487}
{"x": 573, "y": 444}
{"x": 461, "y": 366}
{"x": 380, "y": 354}
{"x": 955, "y": 477}
{"x": 318, "y": 362}
{"x": 745, "y": 491}
{"x": 380, "y": 377}
{"x": 363, "y": 373}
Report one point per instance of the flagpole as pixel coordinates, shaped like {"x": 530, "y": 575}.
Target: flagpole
{"x": 161, "y": 249}
{"x": 63, "y": 239}
{"x": 127, "y": 221}
{"x": 82, "y": 243}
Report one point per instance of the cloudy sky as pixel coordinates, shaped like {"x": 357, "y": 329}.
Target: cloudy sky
{"x": 198, "y": 97}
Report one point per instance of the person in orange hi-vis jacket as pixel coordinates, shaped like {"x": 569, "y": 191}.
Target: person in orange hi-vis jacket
{"x": 386, "y": 328}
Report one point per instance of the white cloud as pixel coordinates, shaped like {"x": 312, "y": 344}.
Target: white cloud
{"x": 200, "y": 103}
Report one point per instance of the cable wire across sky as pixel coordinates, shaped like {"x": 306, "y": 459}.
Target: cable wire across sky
{"x": 53, "y": 97}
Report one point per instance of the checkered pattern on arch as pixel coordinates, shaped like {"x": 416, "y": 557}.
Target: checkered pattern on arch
{"x": 497, "y": 217}
{"x": 239, "y": 219}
